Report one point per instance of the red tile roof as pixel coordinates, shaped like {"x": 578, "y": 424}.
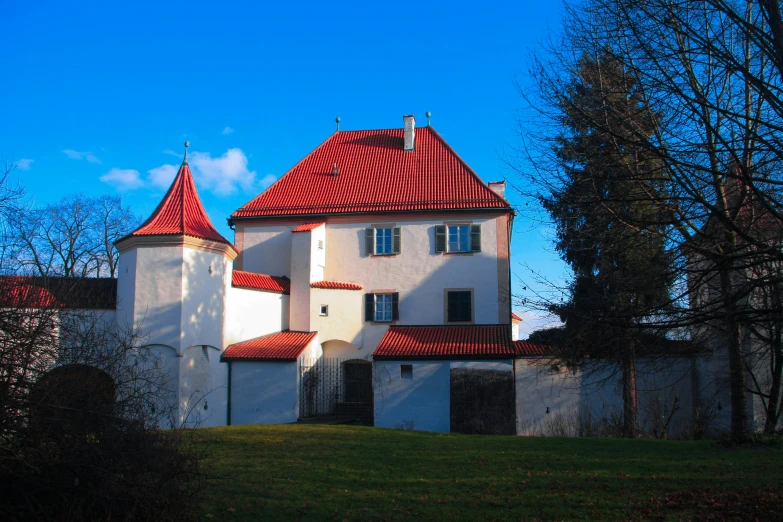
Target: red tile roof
{"x": 446, "y": 342}
{"x": 375, "y": 174}
{"x": 264, "y": 282}
{"x": 335, "y": 285}
{"x": 180, "y": 213}
{"x": 526, "y": 349}
{"x": 280, "y": 346}
{"x": 307, "y": 227}
{"x": 515, "y": 317}
{"x": 61, "y": 292}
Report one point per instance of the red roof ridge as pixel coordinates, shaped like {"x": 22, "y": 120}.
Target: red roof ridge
{"x": 336, "y": 285}
{"x": 263, "y": 282}
{"x": 180, "y": 212}
{"x": 439, "y": 179}
{"x": 476, "y": 341}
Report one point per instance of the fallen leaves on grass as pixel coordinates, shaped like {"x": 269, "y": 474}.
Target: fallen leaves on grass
{"x": 761, "y": 505}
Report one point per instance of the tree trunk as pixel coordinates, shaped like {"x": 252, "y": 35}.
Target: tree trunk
{"x": 774, "y": 392}
{"x": 630, "y": 405}
{"x": 739, "y": 404}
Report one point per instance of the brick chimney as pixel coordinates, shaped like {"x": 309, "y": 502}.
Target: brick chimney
{"x": 409, "y": 142}
{"x": 498, "y": 187}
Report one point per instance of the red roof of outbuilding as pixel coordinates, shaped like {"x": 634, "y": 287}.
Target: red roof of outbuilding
{"x": 307, "y": 227}
{"x": 264, "y": 282}
{"x": 280, "y": 346}
{"x": 375, "y": 174}
{"x": 526, "y": 349}
{"x": 61, "y": 292}
{"x": 515, "y": 317}
{"x": 335, "y": 285}
{"x": 180, "y": 212}
{"x": 446, "y": 342}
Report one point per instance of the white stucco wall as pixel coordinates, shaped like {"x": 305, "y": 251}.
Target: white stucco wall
{"x": 157, "y": 299}
{"x": 419, "y": 403}
{"x": 345, "y": 321}
{"x": 422, "y": 402}
{"x": 301, "y": 260}
{"x": 126, "y": 288}
{"x": 203, "y": 382}
{"x": 253, "y": 313}
{"x": 593, "y": 397}
{"x": 206, "y": 277}
{"x": 418, "y": 273}
{"x": 267, "y": 248}
{"x": 267, "y": 392}
{"x": 264, "y": 392}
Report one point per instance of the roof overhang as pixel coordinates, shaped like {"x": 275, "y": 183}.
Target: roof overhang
{"x": 208, "y": 245}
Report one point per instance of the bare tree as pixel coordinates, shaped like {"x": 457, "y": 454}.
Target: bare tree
{"x": 711, "y": 71}
{"x": 73, "y": 237}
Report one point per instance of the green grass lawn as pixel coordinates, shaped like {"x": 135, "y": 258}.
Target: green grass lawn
{"x": 305, "y": 472}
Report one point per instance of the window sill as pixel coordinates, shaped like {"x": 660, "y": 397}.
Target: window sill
{"x": 383, "y": 255}
{"x": 457, "y": 323}
{"x": 382, "y": 323}
{"x": 459, "y": 253}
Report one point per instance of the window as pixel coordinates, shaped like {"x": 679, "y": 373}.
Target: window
{"x": 381, "y": 307}
{"x": 382, "y": 241}
{"x": 459, "y": 306}
{"x": 406, "y": 371}
{"x": 458, "y": 238}
{"x": 324, "y": 310}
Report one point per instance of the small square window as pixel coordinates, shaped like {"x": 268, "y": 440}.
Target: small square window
{"x": 324, "y": 310}
{"x": 320, "y": 245}
{"x": 406, "y": 371}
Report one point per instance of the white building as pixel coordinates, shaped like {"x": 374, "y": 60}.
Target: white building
{"x": 371, "y": 280}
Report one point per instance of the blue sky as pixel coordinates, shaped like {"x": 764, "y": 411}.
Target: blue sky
{"x": 98, "y": 97}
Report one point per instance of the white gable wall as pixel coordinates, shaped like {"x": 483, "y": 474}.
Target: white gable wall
{"x": 253, "y": 313}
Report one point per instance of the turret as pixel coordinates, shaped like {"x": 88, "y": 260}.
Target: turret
{"x": 174, "y": 273}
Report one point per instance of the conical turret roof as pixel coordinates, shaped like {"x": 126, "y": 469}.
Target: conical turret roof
{"x": 180, "y": 212}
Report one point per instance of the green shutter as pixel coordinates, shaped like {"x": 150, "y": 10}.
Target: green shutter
{"x": 475, "y": 238}
{"x": 396, "y": 306}
{"x": 369, "y": 307}
{"x": 440, "y": 238}
{"x": 396, "y": 242}
{"x": 369, "y": 241}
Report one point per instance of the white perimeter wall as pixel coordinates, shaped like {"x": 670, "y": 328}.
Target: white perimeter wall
{"x": 594, "y": 396}
{"x": 252, "y": 313}
{"x": 267, "y": 392}
{"x": 422, "y": 402}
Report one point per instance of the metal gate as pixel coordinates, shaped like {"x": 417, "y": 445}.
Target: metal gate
{"x": 340, "y": 388}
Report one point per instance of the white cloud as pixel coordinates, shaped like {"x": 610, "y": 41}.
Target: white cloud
{"x": 76, "y": 155}
{"x": 162, "y": 176}
{"x": 227, "y": 130}
{"x": 225, "y": 174}
{"x": 123, "y": 179}
{"x": 24, "y": 164}
{"x": 265, "y": 182}
{"x": 172, "y": 153}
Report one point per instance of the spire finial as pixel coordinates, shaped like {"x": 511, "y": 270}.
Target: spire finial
{"x": 187, "y": 144}
{"x": 428, "y": 114}
{"x": 337, "y": 121}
